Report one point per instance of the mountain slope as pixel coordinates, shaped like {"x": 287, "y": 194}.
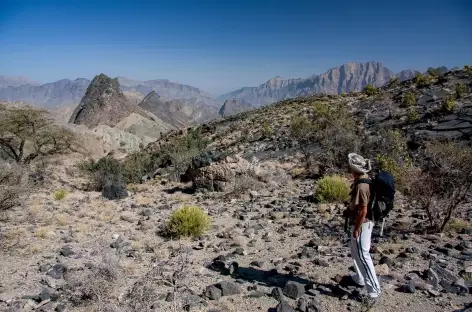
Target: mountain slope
{"x": 103, "y": 103}
{"x": 337, "y": 80}
{"x": 170, "y": 111}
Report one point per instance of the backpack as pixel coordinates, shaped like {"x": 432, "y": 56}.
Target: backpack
{"x": 382, "y": 195}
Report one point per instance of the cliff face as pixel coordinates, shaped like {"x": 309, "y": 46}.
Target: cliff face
{"x": 233, "y": 107}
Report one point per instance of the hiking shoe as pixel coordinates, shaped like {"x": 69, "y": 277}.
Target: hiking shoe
{"x": 367, "y": 302}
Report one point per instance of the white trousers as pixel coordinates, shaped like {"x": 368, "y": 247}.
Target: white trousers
{"x": 360, "y": 252}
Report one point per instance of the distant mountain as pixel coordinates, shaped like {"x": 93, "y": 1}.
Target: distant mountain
{"x": 58, "y": 93}
{"x": 103, "y": 104}
{"x": 15, "y": 81}
{"x": 66, "y": 92}
{"x": 345, "y": 78}
{"x": 233, "y": 107}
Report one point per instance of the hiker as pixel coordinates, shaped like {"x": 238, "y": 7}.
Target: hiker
{"x": 362, "y": 228}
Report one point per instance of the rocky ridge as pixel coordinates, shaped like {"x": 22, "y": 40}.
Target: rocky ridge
{"x": 233, "y": 107}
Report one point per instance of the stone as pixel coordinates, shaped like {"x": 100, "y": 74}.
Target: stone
{"x": 277, "y": 293}
{"x": 283, "y": 306}
{"x": 258, "y": 264}
{"x": 128, "y": 217}
{"x": 114, "y": 190}
{"x": 294, "y": 290}
{"x": 388, "y": 261}
{"x": 212, "y": 292}
{"x": 302, "y": 305}
{"x": 6, "y": 296}
{"x": 57, "y": 271}
{"x": 170, "y": 297}
{"x": 229, "y": 288}
{"x": 256, "y": 294}
{"x": 239, "y": 251}
{"x": 410, "y": 287}
{"x": 382, "y": 269}
{"x": 233, "y": 268}
{"x": 66, "y": 251}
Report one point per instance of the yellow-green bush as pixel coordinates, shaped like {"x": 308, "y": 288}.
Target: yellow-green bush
{"x": 409, "y": 99}
{"x": 461, "y": 90}
{"x": 332, "y": 189}
{"x": 370, "y": 90}
{"x": 60, "y": 194}
{"x": 188, "y": 221}
{"x": 449, "y": 104}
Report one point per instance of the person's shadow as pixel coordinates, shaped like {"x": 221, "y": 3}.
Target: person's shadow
{"x": 275, "y": 279}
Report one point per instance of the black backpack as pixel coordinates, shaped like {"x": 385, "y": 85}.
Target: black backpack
{"x": 382, "y": 195}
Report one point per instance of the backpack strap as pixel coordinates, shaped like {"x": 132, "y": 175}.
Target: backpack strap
{"x": 366, "y": 181}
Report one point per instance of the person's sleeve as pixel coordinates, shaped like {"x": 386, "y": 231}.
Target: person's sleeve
{"x": 362, "y": 197}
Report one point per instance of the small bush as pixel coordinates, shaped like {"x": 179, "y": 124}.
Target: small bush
{"x": 468, "y": 69}
{"x": 188, "y": 221}
{"x": 99, "y": 172}
{"x": 266, "y": 129}
{"x": 413, "y": 114}
{"x": 60, "y": 194}
{"x": 461, "y": 90}
{"x": 370, "y": 90}
{"x": 422, "y": 80}
{"x": 449, "y": 104}
{"x": 332, "y": 189}
{"x": 409, "y": 99}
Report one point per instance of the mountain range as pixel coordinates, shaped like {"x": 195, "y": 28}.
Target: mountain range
{"x": 344, "y": 78}
{"x": 337, "y": 80}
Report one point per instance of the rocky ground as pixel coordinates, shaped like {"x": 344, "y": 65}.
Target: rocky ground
{"x": 87, "y": 253}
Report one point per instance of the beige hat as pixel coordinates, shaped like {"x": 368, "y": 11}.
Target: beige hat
{"x": 359, "y": 164}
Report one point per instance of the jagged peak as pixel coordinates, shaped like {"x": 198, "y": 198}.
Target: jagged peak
{"x": 151, "y": 96}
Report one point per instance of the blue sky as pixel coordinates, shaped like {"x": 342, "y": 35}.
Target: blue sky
{"x": 220, "y": 46}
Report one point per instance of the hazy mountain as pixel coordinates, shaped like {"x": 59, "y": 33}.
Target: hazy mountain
{"x": 345, "y": 78}
{"x": 103, "y": 104}
{"x": 233, "y": 107}
{"x": 15, "y": 81}
{"x": 66, "y": 92}
{"x": 61, "y": 92}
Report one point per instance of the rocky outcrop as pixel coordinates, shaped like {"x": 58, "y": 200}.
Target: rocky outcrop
{"x": 217, "y": 173}
{"x": 337, "y": 80}
{"x": 103, "y": 104}
{"x": 144, "y": 127}
{"x": 233, "y": 107}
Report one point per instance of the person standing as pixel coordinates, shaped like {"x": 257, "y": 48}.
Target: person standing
{"x": 362, "y": 229}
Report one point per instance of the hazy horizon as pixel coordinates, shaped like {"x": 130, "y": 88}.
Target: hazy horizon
{"x": 220, "y": 47}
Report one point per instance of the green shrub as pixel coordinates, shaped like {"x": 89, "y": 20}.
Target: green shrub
{"x": 188, "y": 221}
{"x": 468, "y": 69}
{"x": 413, "y": 114}
{"x": 332, "y": 189}
{"x": 99, "y": 172}
{"x": 60, "y": 194}
{"x": 409, "y": 99}
{"x": 461, "y": 90}
{"x": 370, "y": 90}
{"x": 422, "y": 80}
{"x": 266, "y": 129}
{"x": 449, "y": 104}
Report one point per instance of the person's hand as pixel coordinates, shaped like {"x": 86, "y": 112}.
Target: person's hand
{"x": 355, "y": 234}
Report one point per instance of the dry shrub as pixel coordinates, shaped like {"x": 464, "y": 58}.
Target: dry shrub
{"x": 331, "y": 189}
{"x": 95, "y": 286}
{"x": 444, "y": 183}
{"x": 13, "y": 184}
